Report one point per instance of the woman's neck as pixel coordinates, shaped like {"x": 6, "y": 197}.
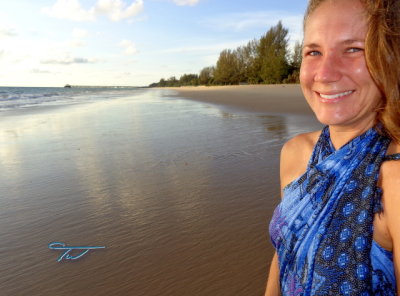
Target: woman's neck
{"x": 340, "y": 136}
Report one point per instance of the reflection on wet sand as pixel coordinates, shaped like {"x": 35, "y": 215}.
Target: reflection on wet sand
{"x": 179, "y": 192}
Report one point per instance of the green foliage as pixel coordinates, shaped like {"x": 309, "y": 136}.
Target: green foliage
{"x": 252, "y": 64}
{"x": 189, "y": 80}
{"x": 272, "y": 55}
{"x": 294, "y": 64}
{"x": 266, "y": 60}
{"x": 297, "y": 56}
{"x": 206, "y": 76}
{"x": 226, "y": 71}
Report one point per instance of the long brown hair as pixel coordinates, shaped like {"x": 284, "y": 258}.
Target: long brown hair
{"x": 382, "y": 53}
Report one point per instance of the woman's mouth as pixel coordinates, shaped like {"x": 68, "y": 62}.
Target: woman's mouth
{"x": 334, "y": 97}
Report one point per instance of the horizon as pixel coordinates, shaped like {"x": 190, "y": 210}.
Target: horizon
{"x": 109, "y": 43}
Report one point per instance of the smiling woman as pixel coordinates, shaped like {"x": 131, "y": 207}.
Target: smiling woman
{"x": 334, "y": 74}
{"x": 336, "y": 229}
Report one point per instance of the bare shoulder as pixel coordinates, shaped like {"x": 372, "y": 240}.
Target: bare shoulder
{"x": 390, "y": 184}
{"x": 295, "y": 155}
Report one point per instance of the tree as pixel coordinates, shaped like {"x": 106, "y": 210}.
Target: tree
{"x": 260, "y": 61}
{"x": 274, "y": 66}
{"x": 172, "y": 82}
{"x": 252, "y": 65}
{"x": 226, "y": 71}
{"x": 162, "y": 82}
{"x": 295, "y": 63}
{"x": 189, "y": 79}
{"x": 206, "y": 76}
{"x": 297, "y": 56}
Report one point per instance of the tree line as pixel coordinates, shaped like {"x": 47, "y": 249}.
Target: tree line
{"x": 261, "y": 61}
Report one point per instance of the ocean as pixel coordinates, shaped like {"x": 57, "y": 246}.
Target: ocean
{"x": 135, "y": 192}
{"x": 12, "y": 98}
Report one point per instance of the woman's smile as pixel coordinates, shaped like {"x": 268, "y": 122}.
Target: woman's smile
{"x": 334, "y": 97}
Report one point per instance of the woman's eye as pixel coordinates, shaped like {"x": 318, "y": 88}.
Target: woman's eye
{"x": 313, "y": 53}
{"x": 354, "y": 49}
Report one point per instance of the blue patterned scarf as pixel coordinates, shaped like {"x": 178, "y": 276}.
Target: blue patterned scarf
{"x": 322, "y": 230}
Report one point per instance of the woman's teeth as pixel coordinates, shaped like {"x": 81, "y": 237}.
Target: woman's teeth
{"x": 335, "y": 96}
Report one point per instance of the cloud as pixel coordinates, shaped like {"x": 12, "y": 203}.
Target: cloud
{"x": 128, "y": 46}
{"x": 79, "y": 33}
{"x": 7, "y": 32}
{"x": 68, "y": 60}
{"x": 70, "y": 10}
{"x": 251, "y": 21}
{"x": 261, "y": 19}
{"x": 77, "y": 37}
{"x": 204, "y": 48}
{"x": 115, "y": 10}
{"x": 186, "y": 2}
{"x": 39, "y": 71}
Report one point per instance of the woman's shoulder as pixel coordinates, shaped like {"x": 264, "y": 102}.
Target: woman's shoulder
{"x": 300, "y": 144}
{"x": 389, "y": 181}
{"x": 295, "y": 155}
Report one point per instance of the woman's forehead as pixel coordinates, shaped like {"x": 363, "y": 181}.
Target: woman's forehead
{"x": 342, "y": 19}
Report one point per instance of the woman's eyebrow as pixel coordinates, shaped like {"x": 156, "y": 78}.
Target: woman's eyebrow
{"x": 351, "y": 41}
{"x": 311, "y": 45}
{"x": 345, "y": 42}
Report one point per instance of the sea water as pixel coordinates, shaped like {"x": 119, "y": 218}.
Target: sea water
{"x": 30, "y": 97}
{"x": 135, "y": 192}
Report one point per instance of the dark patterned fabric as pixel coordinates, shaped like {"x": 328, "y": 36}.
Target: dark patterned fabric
{"x": 392, "y": 157}
{"x": 322, "y": 229}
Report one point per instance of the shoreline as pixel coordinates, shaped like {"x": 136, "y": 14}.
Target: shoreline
{"x": 280, "y": 98}
{"x": 169, "y": 186}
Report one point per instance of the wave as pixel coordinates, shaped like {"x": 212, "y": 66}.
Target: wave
{"x": 28, "y": 97}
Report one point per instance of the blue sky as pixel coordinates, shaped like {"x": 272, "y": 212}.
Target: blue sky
{"x": 128, "y": 42}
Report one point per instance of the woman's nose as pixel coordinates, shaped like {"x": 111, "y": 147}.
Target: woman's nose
{"x": 329, "y": 69}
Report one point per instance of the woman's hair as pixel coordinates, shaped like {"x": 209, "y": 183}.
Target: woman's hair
{"x": 382, "y": 52}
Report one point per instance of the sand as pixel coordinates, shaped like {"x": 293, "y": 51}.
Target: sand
{"x": 179, "y": 192}
{"x": 287, "y": 99}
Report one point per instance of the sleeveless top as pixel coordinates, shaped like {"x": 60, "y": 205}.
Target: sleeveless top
{"x": 322, "y": 229}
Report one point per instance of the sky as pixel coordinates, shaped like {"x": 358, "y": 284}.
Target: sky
{"x": 128, "y": 42}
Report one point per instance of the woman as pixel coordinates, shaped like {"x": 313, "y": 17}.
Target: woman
{"x": 337, "y": 229}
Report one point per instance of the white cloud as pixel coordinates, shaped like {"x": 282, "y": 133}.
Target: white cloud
{"x": 7, "y": 32}
{"x": 205, "y": 48}
{"x": 79, "y": 33}
{"x": 261, "y": 19}
{"x": 68, "y": 60}
{"x": 115, "y": 10}
{"x": 186, "y": 2}
{"x": 128, "y": 46}
{"x": 39, "y": 71}
{"x": 77, "y": 37}
{"x": 238, "y": 22}
{"x": 70, "y": 10}
{"x": 76, "y": 43}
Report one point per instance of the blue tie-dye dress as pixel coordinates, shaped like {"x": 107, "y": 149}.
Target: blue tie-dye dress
{"x": 322, "y": 229}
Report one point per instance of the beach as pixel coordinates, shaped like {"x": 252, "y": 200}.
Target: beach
{"x": 282, "y": 98}
{"x": 178, "y": 185}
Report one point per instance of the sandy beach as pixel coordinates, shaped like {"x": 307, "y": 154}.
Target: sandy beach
{"x": 178, "y": 185}
{"x": 284, "y": 98}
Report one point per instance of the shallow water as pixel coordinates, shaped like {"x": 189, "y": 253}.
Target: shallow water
{"x": 179, "y": 192}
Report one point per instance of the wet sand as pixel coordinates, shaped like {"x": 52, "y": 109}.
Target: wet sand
{"x": 179, "y": 192}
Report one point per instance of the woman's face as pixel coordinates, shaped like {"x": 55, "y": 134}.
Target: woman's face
{"x": 334, "y": 75}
